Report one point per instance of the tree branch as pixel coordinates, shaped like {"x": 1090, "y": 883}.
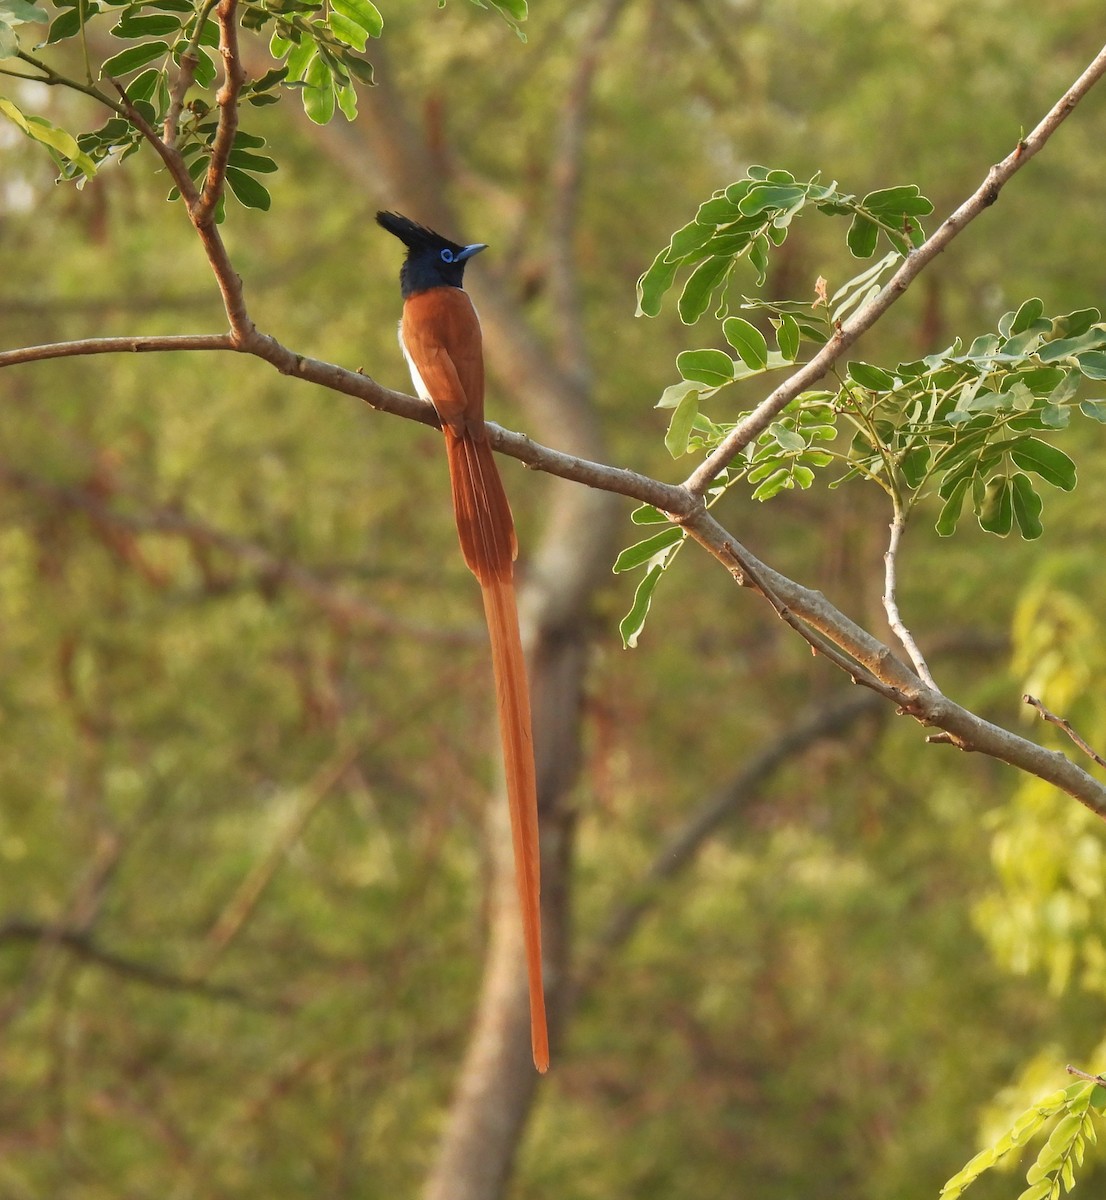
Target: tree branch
{"x": 82, "y": 944}
{"x": 982, "y": 198}
{"x": 890, "y": 599}
{"x": 1066, "y": 726}
{"x": 790, "y": 599}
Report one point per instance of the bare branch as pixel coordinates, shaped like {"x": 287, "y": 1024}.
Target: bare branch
{"x": 233, "y": 78}
{"x": 1065, "y": 725}
{"x": 116, "y": 345}
{"x": 189, "y": 60}
{"x": 795, "y": 603}
{"x": 982, "y": 198}
{"x": 82, "y": 944}
{"x": 169, "y": 155}
{"x": 891, "y": 604}
{"x": 1099, "y": 1079}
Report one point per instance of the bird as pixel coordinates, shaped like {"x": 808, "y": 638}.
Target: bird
{"x": 441, "y": 340}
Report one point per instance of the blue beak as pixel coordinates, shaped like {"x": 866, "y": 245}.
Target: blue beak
{"x": 469, "y": 251}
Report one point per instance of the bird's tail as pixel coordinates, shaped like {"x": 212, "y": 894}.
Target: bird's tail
{"x": 487, "y": 534}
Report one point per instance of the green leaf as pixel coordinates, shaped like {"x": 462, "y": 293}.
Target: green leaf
{"x": 862, "y": 237}
{"x": 248, "y": 191}
{"x": 1027, "y": 507}
{"x": 875, "y": 379}
{"x": 132, "y": 58}
{"x": 748, "y": 341}
{"x": 898, "y": 201}
{"x": 632, "y": 624}
{"x": 775, "y": 483}
{"x": 764, "y": 197}
{"x": 19, "y": 12}
{"x": 646, "y": 514}
{"x": 346, "y": 31}
{"x": 674, "y": 393}
{"x": 787, "y": 439}
{"x": 1037, "y": 1191}
{"x": 679, "y": 428}
{"x": 1051, "y": 464}
{"x": 711, "y": 367}
{"x": 641, "y": 552}
{"x": 1029, "y": 312}
{"x": 787, "y": 336}
{"x": 257, "y": 163}
{"x": 996, "y": 514}
{"x": 318, "y": 96}
{"x": 653, "y": 284}
{"x": 361, "y": 12}
{"x": 149, "y": 25}
{"x": 700, "y": 286}
{"x": 69, "y": 23}
{"x": 1092, "y": 363}
{"x": 361, "y": 70}
{"x": 49, "y": 135}
{"x": 143, "y": 86}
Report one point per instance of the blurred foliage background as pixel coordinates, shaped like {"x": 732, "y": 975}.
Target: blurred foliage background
{"x": 234, "y": 630}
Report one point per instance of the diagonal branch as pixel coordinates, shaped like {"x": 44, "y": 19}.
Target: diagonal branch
{"x": 1064, "y": 724}
{"x": 982, "y": 198}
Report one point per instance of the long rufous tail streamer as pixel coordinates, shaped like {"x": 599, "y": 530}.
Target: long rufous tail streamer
{"x": 487, "y": 534}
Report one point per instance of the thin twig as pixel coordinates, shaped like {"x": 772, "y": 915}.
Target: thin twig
{"x": 1065, "y": 725}
{"x": 116, "y": 345}
{"x": 891, "y": 604}
{"x": 189, "y": 60}
{"x": 52, "y": 78}
{"x": 85, "y": 946}
{"x": 1099, "y": 1079}
{"x": 169, "y": 155}
{"x": 982, "y": 198}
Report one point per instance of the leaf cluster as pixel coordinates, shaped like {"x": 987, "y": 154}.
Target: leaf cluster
{"x": 171, "y": 57}
{"x": 963, "y": 423}
{"x": 752, "y": 216}
{"x": 1077, "y": 1106}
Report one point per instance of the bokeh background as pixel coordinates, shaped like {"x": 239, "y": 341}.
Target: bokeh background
{"x": 246, "y": 711}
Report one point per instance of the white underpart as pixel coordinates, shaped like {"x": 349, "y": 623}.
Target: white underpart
{"x": 416, "y": 378}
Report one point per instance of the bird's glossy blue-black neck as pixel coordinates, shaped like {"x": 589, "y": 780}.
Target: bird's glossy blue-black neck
{"x": 432, "y": 261}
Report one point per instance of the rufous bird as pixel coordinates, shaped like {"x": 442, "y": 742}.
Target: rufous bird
{"x": 441, "y": 340}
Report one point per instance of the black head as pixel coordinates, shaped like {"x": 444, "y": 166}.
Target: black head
{"x": 432, "y": 260}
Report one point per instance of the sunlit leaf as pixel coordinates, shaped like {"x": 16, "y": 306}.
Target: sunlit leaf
{"x": 641, "y": 552}
{"x": 632, "y": 624}
{"x": 710, "y": 367}
{"x": 748, "y": 341}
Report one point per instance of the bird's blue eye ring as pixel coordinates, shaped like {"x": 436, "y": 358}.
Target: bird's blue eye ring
{"x": 447, "y": 255}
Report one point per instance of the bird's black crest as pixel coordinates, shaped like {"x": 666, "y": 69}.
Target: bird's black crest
{"x": 432, "y": 260}
{"x": 413, "y": 235}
